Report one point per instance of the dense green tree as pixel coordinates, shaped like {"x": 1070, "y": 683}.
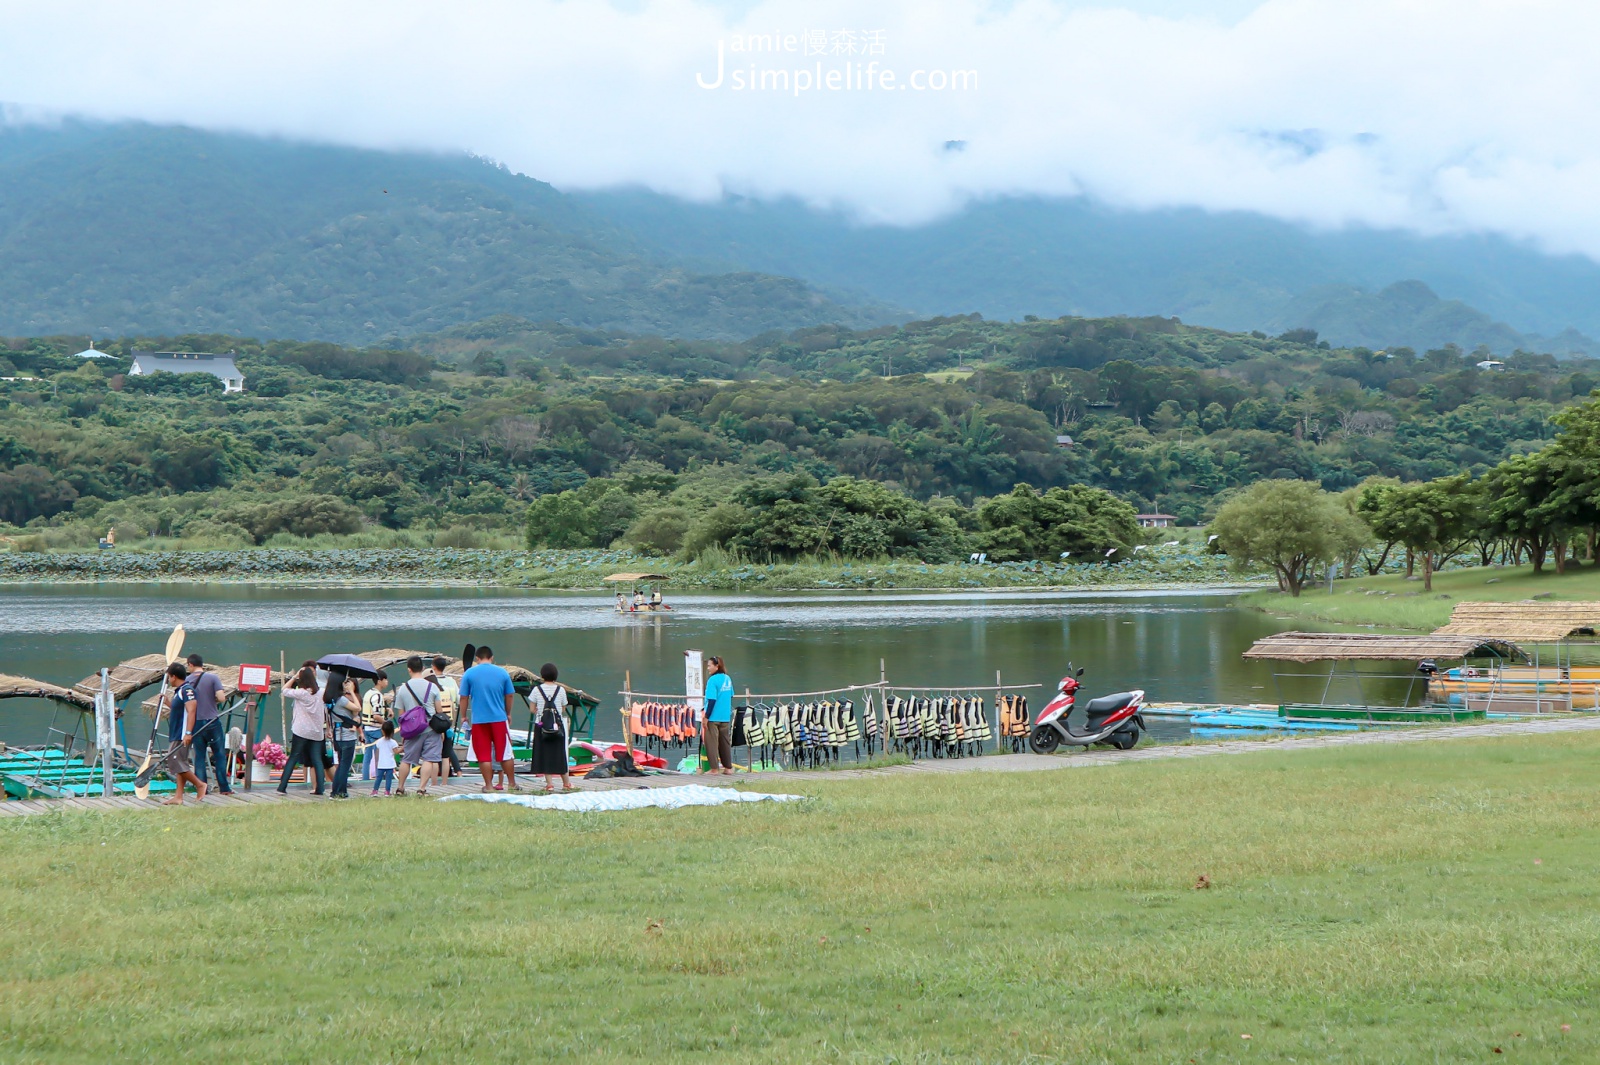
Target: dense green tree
{"x": 561, "y": 520}
{"x": 1080, "y": 522}
{"x": 1428, "y": 519}
{"x": 1288, "y": 525}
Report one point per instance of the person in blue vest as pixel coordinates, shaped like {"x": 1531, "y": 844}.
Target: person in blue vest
{"x": 180, "y": 699}
{"x": 719, "y": 718}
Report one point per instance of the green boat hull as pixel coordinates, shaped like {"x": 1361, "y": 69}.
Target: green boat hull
{"x": 1380, "y": 714}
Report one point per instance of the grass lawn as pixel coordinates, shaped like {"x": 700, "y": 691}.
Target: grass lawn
{"x": 1362, "y": 601}
{"x": 1379, "y": 904}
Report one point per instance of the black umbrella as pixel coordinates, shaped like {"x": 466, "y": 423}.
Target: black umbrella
{"x": 349, "y": 665}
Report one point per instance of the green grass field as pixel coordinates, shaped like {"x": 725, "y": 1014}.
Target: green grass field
{"x": 1416, "y": 902}
{"x": 1393, "y": 602}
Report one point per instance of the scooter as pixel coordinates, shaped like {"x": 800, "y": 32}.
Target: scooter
{"x": 1112, "y": 719}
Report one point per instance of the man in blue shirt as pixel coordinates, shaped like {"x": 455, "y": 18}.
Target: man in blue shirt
{"x": 719, "y": 718}
{"x": 210, "y": 739}
{"x": 486, "y": 692}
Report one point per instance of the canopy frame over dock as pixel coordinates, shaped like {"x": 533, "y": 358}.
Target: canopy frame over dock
{"x": 1348, "y": 648}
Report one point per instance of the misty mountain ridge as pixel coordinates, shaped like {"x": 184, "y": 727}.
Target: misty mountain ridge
{"x": 1232, "y": 270}
{"x": 126, "y": 228}
{"x": 1410, "y": 314}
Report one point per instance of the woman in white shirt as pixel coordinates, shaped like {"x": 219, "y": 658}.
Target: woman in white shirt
{"x": 308, "y": 726}
{"x": 549, "y": 702}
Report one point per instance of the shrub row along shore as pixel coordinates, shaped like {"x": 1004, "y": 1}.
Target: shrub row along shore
{"x": 585, "y": 569}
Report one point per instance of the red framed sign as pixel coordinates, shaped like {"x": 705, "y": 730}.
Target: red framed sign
{"x": 255, "y": 678}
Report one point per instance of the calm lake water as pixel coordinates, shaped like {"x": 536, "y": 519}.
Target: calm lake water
{"x": 1179, "y": 646}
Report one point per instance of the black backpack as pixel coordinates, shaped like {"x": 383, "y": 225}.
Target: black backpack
{"x": 549, "y": 721}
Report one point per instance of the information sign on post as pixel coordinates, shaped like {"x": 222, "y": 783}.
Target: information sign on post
{"x": 255, "y": 679}
{"x": 694, "y": 680}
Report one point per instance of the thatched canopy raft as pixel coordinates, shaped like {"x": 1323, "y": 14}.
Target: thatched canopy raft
{"x": 1530, "y": 621}
{"x": 388, "y": 657}
{"x": 634, "y": 578}
{"x": 1343, "y": 646}
{"x": 12, "y": 687}
{"x": 126, "y": 677}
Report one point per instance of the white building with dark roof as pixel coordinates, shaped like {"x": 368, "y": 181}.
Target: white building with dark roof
{"x": 219, "y": 366}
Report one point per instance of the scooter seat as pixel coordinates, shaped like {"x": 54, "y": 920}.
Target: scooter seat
{"x": 1108, "y": 704}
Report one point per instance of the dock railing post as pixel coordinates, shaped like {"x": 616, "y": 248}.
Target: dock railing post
{"x": 106, "y": 720}
{"x": 749, "y": 749}
{"x": 997, "y": 693}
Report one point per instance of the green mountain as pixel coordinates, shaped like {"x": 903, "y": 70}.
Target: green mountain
{"x": 111, "y": 229}
{"x": 1410, "y": 314}
{"x": 1008, "y": 258}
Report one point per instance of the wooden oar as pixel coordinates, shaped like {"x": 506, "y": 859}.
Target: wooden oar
{"x": 141, "y": 785}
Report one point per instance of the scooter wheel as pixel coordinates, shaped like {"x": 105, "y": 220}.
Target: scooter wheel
{"x": 1125, "y": 741}
{"x": 1044, "y": 740}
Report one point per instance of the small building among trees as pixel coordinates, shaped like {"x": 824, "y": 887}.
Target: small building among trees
{"x": 219, "y": 366}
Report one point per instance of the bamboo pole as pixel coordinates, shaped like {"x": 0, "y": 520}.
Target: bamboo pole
{"x": 283, "y": 709}
{"x": 627, "y": 710}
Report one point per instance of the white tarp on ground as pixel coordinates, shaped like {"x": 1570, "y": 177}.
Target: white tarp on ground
{"x": 630, "y": 799}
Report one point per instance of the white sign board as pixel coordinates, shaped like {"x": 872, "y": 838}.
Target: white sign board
{"x": 694, "y": 680}
{"x": 255, "y": 678}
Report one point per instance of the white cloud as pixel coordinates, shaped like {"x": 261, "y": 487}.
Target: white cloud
{"x": 1438, "y": 115}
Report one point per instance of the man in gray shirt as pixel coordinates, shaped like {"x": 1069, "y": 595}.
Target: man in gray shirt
{"x": 210, "y": 742}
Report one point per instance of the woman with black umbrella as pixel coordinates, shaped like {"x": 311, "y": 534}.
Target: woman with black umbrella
{"x": 346, "y": 713}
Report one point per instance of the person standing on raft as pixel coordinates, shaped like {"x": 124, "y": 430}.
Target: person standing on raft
{"x": 719, "y": 718}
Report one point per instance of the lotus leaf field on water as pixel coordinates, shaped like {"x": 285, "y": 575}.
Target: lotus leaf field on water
{"x": 586, "y": 568}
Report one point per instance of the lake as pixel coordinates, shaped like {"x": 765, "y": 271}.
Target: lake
{"x": 1178, "y": 645}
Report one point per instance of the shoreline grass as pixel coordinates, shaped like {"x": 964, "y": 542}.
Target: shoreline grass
{"x": 1390, "y": 601}
{"x": 1373, "y": 903}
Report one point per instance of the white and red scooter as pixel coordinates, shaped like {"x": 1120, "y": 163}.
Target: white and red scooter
{"x": 1110, "y": 719}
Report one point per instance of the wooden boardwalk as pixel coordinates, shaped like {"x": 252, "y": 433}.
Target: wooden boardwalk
{"x": 1010, "y": 763}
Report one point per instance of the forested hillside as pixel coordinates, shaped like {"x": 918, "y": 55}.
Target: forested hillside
{"x": 133, "y": 228}
{"x": 470, "y": 429}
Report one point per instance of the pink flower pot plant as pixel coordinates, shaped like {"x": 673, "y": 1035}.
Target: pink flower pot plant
{"x": 271, "y": 754}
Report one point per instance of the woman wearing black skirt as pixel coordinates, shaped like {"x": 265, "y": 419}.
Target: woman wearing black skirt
{"x": 550, "y": 729}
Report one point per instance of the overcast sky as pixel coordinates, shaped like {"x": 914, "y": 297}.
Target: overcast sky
{"x": 1435, "y": 115}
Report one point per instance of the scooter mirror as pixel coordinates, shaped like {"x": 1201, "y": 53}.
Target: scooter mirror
{"x": 1079, "y": 673}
